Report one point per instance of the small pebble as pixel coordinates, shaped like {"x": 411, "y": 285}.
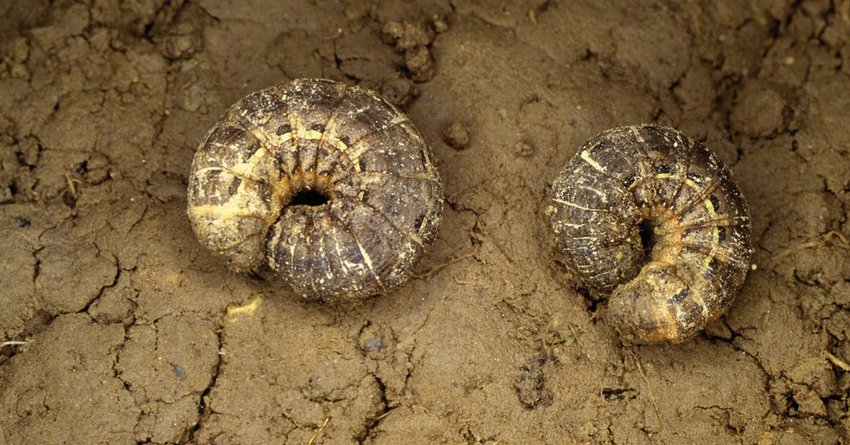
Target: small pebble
{"x": 373, "y": 344}
{"x": 398, "y": 91}
{"x": 179, "y": 371}
{"x": 440, "y": 25}
{"x": 419, "y": 63}
{"x": 523, "y": 148}
{"x": 456, "y": 135}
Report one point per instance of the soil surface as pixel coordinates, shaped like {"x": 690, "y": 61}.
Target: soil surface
{"x": 117, "y": 327}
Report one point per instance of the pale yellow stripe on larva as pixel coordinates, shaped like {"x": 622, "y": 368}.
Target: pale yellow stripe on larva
{"x": 715, "y": 239}
{"x": 310, "y": 134}
{"x": 429, "y": 166}
{"x": 367, "y": 260}
{"x": 598, "y": 192}
{"x": 339, "y": 145}
{"x": 636, "y": 134}
{"x": 356, "y": 151}
{"x": 585, "y": 155}
{"x": 245, "y": 168}
{"x": 688, "y": 181}
{"x": 292, "y": 253}
{"x": 399, "y": 118}
{"x": 272, "y": 259}
{"x": 285, "y": 137}
{"x": 229, "y": 210}
{"x": 572, "y": 204}
{"x": 414, "y": 237}
{"x": 315, "y": 135}
{"x": 710, "y": 207}
{"x": 346, "y": 265}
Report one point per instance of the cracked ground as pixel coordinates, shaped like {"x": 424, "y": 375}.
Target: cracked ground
{"x": 117, "y": 328}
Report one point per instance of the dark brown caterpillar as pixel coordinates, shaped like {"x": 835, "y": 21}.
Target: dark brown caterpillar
{"x": 653, "y": 218}
{"x": 329, "y": 184}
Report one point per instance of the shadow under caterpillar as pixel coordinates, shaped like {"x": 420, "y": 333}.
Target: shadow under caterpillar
{"x": 655, "y": 219}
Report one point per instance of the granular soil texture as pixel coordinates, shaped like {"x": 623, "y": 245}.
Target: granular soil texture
{"x": 118, "y": 327}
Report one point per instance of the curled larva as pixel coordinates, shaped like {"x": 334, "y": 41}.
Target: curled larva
{"x": 654, "y": 219}
{"x": 328, "y": 183}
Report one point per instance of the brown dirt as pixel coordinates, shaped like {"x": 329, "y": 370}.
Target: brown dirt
{"x": 123, "y": 330}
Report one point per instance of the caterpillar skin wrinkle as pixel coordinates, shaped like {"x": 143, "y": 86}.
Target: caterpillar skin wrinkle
{"x": 328, "y": 183}
{"x": 654, "y": 219}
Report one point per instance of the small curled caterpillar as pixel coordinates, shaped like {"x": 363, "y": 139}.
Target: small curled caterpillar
{"x": 654, "y": 219}
{"x": 329, "y": 184}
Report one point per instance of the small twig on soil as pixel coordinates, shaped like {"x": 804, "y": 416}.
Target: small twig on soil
{"x": 836, "y": 361}
{"x": 71, "y": 187}
{"x": 828, "y": 355}
{"x": 382, "y": 416}
{"x": 824, "y": 240}
{"x": 12, "y": 343}
{"x": 319, "y": 431}
{"x": 648, "y": 385}
{"x": 438, "y": 267}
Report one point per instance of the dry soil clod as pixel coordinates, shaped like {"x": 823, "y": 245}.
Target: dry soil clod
{"x": 456, "y": 135}
{"x": 414, "y": 40}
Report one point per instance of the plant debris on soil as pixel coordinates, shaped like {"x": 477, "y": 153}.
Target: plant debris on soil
{"x": 117, "y": 327}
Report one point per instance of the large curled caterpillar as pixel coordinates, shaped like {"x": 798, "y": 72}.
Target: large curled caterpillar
{"x": 654, "y": 219}
{"x": 328, "y": 183}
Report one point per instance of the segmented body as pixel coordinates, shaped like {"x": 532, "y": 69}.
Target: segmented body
{"x": 653, "y": 218}
{"x": 363, "y": 156}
